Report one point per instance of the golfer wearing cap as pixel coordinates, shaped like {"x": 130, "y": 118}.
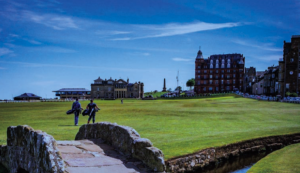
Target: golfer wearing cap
{"x": 92, "y": 109}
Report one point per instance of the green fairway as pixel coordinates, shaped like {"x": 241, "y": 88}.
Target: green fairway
{"x": 176, "y": 126}
{"x": 285, "y": 160}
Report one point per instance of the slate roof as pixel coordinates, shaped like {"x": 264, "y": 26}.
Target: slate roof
{"x": 26, "y": 95}
{"x": 72, "y": 89}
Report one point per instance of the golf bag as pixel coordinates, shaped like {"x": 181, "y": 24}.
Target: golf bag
{"x": 85, "y": 112}
{"x": 70, "y": 111}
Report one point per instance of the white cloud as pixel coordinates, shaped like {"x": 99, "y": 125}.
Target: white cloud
{"x": 5, "y": 51}
{"x": 263, "y": 46}
{"x": 172, "y": 29}
{"x": 57, "y": 22}
{"x": 181, "y": 59}
{"x": 32, "y": 41}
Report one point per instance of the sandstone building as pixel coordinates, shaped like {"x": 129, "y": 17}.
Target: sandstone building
{"x": 73, "y": 93}
{"x": 219, "y": 73}
{"x": 289, "y": 66}
{"x": 112, "y": 89}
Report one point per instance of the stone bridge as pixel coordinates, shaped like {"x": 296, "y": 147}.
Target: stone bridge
{"x": 99, "y": 147}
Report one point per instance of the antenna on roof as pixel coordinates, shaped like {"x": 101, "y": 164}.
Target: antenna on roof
{"x": 199, "y": 47}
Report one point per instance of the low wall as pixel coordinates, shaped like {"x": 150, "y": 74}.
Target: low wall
{"x": 126, "y": 140}
{"x": 30, "y": 150}
{"x": 212, "y": 156}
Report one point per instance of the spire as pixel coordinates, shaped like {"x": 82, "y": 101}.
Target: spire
{"x": 164, "y": 88}
{"x": 199, "y": 54}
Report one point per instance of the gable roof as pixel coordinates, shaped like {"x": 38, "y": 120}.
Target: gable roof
{"x": 26, "y": 95}
{"x": 72, "y": 89}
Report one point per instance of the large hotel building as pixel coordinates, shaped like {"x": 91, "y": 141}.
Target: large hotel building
{"x": 219, "y": 73}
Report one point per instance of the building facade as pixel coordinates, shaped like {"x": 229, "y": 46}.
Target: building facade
{"x": 249, "y": 79}
{"x": 219, "y": 73}
{"x": 73, "y": 93}
{"x": 271, "y": 81}
{"x": 112, "y": 89}
{"x": 289, "y": 66}
{"x": 27, "y": 96}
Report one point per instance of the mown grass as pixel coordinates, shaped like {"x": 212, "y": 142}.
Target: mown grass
{"x": 285, "y": 160}
{"x": 177, "y": 126}
{"x": 157, "y": 94}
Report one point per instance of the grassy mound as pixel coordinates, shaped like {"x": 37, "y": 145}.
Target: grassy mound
{"x": 177, "y": 126}
{"x": 285, "y": 160}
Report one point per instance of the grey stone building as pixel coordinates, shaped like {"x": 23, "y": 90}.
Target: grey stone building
{"x": 120, "y": 88}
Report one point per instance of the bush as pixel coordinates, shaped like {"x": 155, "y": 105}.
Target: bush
{"x": 294, "y": 95}
{"x": 287, "y": 93}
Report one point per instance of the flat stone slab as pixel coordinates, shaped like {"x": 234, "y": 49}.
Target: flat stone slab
{"x": 75, "y": 156}
{"x": 69, "y": 149}
{"x": 103, "y": 169}
{"x": 95, "y": 156}
{"x": 91, "y": 148}
{"x": 67, "y": 143}
{"x": 93, "y": 162}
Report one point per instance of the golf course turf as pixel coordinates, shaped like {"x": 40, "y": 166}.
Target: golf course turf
{"x": 176, "y": 126}
{"x": 284, "y": 160}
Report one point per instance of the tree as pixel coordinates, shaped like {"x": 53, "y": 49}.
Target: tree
{"x": 288, "y": 93}
{"x": 170, "y": 89}
{"x": 190, "y": 83}
{"x": 179, "y": 89}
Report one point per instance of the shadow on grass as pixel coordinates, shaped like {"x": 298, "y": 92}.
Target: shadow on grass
{"x": 66, "y": 125}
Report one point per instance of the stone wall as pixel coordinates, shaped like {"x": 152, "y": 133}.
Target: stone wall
{"x": 212, "y": 156}
{"x": 30, "y": 150}
{"x": 126, "y": 140}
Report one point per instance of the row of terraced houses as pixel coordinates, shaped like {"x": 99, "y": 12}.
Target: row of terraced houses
{"x": 227, "y": 72}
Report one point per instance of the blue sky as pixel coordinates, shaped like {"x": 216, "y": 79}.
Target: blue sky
{"x": 52, "y": 44}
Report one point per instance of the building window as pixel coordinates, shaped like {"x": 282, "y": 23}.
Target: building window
{"x": 210, "y": 88}
{"x": 217, "y": 82}
{"x": 198, "y": 82}
{"x": 210, "y": 82}
{"x": 198, "y": 76}
{"x": 222, "y": 71}
{"x": 222, "y": 66}
{"x": 205, "y": 71}
{"x": 210, "y": 76}
{"x": 199, "y": 66}
{"x": 298, "y": 75}
{"x": 228, "y": 71}
{"x": 273, "y": 75}
{"x": 234, "y": 71}
{"x": 228, "y": 65}
{"x": 211, "y": 66}
{"x": 217, "y": 71}
{"x": 205, "y": 77}
{"x": 204, "y": 89}
{"x": 222, "y": 76}
{"x": 210, "y": 71}
{"x": 227, "y": 88}
{"x": 228, "y": 82}
{"x": 240, "y": 80}
{"x": 217, "y": 76}
{"x": 241, "y": 75}
{"x": 199, "y": 71}
{"x": 204, "y": 82}
{"x": 217, "y": 65}
{"x": 228, "y": 76}
{"x": 292, "y": 59}
{"x": 222, "y": 82}
{"x": 287, "y": 86}
{"x": 291, "y": 72}
{"x": 217, "y": 88}
{"x": 233, "y": 75}
{"x": 233, "y": 81}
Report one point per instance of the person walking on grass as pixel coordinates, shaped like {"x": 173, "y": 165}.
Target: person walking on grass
{"x": 77, "y": 110}
{"x": 92, "y": 109}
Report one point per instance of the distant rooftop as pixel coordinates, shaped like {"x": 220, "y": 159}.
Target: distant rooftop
{"x": 72, "y": 89}
{"x": 30, "y": 95}
{"x": 296, "y": 36}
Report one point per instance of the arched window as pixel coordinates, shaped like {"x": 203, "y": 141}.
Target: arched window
{"x": 217, "y": 65}
{"x": 211, "y": 66}
{"x": 228, "y": 65}
{"x": 222, "y": 66}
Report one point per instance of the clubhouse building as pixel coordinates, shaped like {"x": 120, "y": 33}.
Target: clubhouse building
{"x": 72, "y": 93}
{"x": 111, "y": 89}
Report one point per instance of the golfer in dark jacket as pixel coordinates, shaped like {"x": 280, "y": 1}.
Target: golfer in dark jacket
{"x": 92, "y": 109}
{"x": 77, "y": 108}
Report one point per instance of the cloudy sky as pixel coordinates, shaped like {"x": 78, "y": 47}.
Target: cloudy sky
{"x": 46, "y": 45}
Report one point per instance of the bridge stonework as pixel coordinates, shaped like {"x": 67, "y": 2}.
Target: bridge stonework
{"x": 126, "y": 140}
{"x": 31, "y": 151}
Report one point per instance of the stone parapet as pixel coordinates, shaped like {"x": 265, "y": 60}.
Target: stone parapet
{"x": 209, "y": 157}
{"x": 126, "y": 140}
{"x": 30, "y": 150}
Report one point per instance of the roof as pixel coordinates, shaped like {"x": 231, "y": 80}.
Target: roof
{"x": 28, "y": 95}
{"x": 199, "y": 55}
{"x": 72, "y": 89}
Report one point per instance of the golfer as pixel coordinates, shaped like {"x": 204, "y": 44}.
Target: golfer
{"x": 92, "y": 109}
{"x": 77, "y": 109}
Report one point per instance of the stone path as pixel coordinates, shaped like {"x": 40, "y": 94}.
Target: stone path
{"x": 96, "y": 156}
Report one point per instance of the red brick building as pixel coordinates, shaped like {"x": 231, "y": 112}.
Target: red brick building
{"x": 219, "y": 73}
